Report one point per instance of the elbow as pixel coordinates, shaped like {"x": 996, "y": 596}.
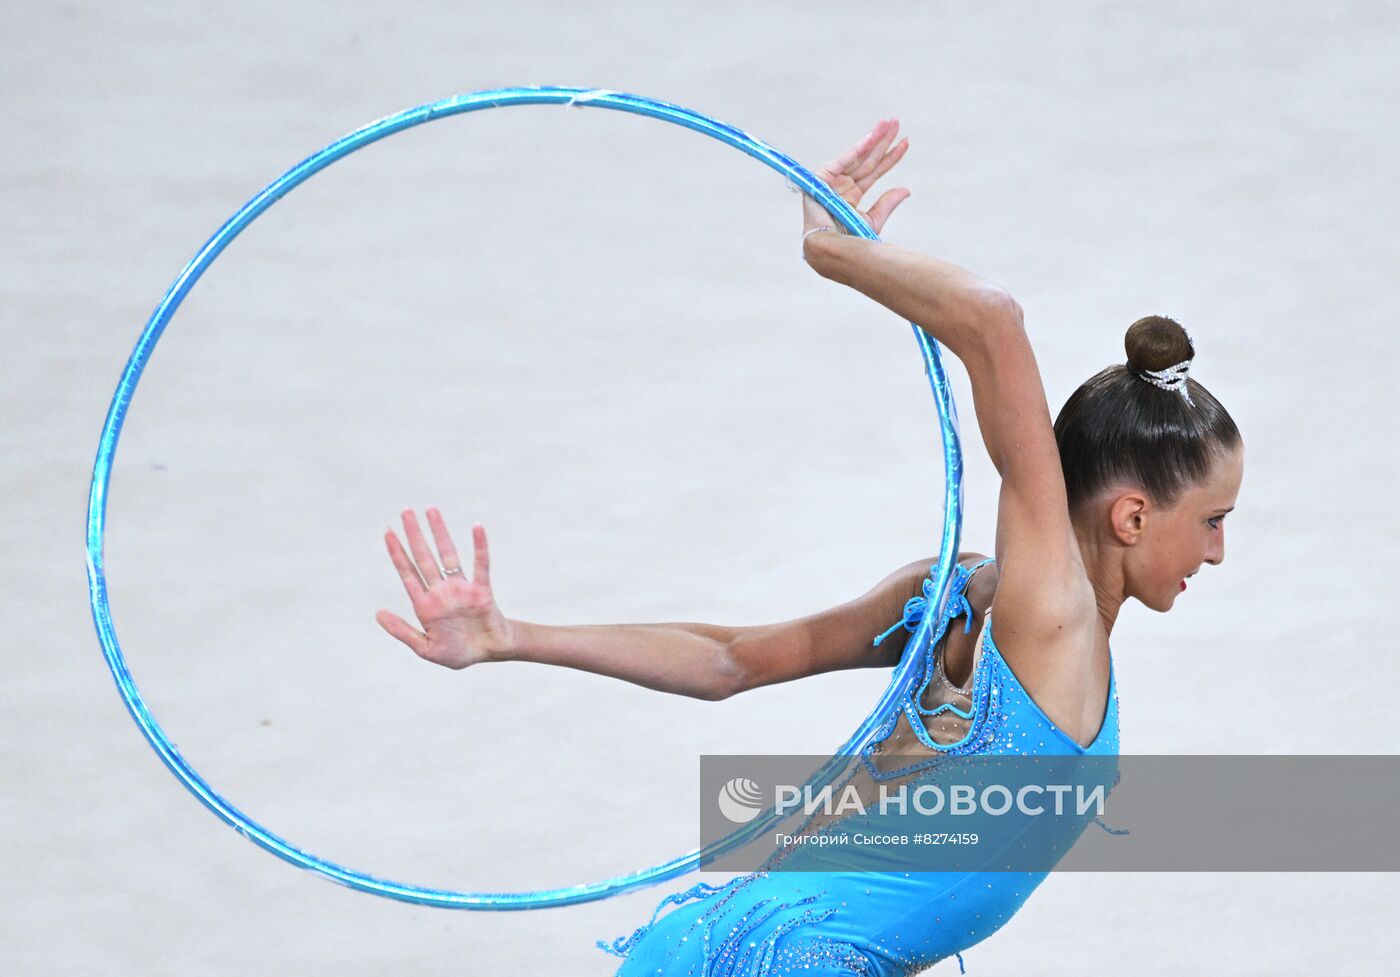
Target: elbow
{"x": 729, "y": 678}
{"x": 998, "y": 318}
{"x": 995, "y": 306}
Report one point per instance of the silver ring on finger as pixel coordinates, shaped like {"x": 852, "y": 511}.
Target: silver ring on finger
{"x": 449, "y": 571}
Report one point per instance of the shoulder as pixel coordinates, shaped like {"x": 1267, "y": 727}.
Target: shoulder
{"x": 887, "y": 600}
{"x": 983, "y": 585}
{"x": 907, "y": 582}
{"x": 1056, "y": 609}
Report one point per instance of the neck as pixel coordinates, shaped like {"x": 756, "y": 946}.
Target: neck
{"x": 1104, "y": 567}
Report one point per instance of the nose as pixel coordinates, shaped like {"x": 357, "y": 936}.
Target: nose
{"x": 1215, "y": 553}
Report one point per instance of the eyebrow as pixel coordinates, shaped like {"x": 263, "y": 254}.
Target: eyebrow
{"x": 1223, "y": 511}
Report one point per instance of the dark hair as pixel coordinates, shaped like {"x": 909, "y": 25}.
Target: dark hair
{"x": 1119, "y": 426}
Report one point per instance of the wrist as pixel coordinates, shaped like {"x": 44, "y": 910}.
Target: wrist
{"x": 817, "y": 248}
{"x": 814, "y": 215}
{"x": 514, "y": 650}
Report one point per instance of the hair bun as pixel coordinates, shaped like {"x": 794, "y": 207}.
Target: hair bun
{"x": 1155, "y": 342}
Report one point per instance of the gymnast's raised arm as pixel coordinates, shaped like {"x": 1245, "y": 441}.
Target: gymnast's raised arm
{"x": 461, "y": 626}
{"x": 1042, "y": 585}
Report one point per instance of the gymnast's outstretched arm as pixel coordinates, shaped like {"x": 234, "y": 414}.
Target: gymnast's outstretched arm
{"x": 461, "y": 626}
{"x": 1042, "y": 588}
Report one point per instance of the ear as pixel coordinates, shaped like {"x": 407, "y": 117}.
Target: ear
{"x": 1128, "y": 517}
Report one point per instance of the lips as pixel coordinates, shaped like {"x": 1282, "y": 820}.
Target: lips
{"x": 1183, "y": 585}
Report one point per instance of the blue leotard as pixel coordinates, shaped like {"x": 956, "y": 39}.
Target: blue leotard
{"x": 872, "y": 923}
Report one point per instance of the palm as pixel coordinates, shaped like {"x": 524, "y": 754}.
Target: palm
{"x": 844, "y": 186}
{"x": 855, "y": 171}
{"x": 456, "y": 615}
{"x": 460, "y": 623}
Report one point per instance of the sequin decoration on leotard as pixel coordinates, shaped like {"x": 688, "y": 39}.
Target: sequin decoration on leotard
{"x": 873, "y": 923}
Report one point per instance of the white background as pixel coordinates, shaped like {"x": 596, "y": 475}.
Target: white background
{"x": 593, "y": 333}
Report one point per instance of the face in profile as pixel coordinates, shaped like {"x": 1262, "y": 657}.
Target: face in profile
{"x": 1172, "y": 543}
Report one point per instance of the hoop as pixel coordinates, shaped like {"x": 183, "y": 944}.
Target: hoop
{"x": 903, "y": 677}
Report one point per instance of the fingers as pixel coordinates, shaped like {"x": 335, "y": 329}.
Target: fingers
{"x": 446, "y": 549}
{"x": 885, "y": 206}
{"x": 420, "y": 571}
{"x": 404, "y": 631}
{"x": 852, "y": 158}
{"x": 422, "y": 555}
{"x": 885, "y": 131}
{"x": 862, "y": 157}
{"x": 858, "y": 169}
{"x": 408, "y": 573}
{"x": 885, "y": 164}
{"x": 481, "y": 569}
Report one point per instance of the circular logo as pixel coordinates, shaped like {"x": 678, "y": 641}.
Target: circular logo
{"x": 740, "y": 800}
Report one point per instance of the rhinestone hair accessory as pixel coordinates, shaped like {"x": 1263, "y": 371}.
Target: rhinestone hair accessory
{"x": 1173, "y": 377}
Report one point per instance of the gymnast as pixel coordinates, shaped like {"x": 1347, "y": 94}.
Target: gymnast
{"x": 1123, "y": 496}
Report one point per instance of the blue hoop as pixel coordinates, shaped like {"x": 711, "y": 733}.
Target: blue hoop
{"x": 903, "y": 677}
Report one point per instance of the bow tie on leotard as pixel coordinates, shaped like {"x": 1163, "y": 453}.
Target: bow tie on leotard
{"x": 917, "y": 607}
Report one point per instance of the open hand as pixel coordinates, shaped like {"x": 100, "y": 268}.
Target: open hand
{"x": 855, "y": 171}
{"x": 461, "y": 624}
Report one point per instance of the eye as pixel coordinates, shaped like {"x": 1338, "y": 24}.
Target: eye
{"x": 1214, "y": 521}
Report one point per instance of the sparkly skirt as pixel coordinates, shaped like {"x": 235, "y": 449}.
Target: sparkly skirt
{"x": 853, "y": 924}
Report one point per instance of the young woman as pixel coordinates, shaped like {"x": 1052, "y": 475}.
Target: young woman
{"x": 1124, "y": 496}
